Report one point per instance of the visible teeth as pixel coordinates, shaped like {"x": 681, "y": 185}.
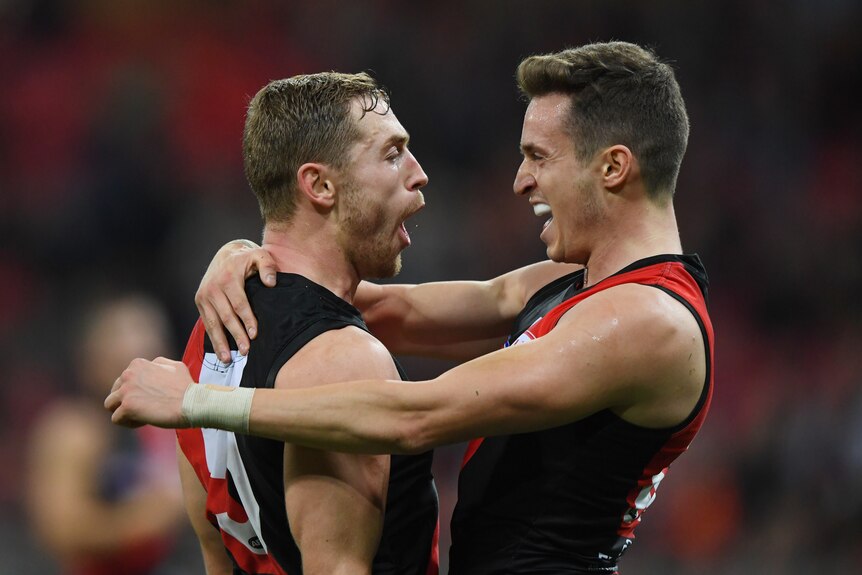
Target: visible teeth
{"x": 541, "y": 209}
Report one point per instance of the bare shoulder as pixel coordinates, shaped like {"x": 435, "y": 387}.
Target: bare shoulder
{"x": 635, "y": 311}
{"x": 653, "y": 351}
{"x": 338, "y": 355}
{"x": 71, "y": 428}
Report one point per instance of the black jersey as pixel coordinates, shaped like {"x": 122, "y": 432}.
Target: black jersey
{"x": 244, "y": 474}
{"x": 567, "y": 499}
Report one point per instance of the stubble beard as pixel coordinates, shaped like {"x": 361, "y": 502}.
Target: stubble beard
{"x": 591, "y": 217}
{"x": 592, "y": 213}
{"x": 365, "y": 239}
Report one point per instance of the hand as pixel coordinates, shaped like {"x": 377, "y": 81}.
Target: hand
{"x": 221, "y": 298}
{"x": 150, "y": 392}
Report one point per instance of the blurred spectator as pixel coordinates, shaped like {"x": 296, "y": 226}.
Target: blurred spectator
{"x": 105, "y": 500}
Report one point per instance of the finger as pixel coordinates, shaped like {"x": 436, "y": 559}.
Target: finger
{"x": 240, "y": 309}
{"x": 266, "y": 267}
{"x": 215, "y": 331}
{"x": 119, "y": 418}
{"x": 112, "y": 402}
{"x": 229, "y": 319}
{"x": 117, "y": 383}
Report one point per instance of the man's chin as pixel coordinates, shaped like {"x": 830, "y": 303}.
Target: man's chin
{"x": 386, "y": 270}
{"x": 395, "y": 267}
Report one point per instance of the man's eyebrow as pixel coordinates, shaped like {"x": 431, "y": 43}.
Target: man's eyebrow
{"x": 535, "y": 149}
{"x": 400, "y": 140}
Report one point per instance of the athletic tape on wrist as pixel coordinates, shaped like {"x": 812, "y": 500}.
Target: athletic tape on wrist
{"x": 227, "y": 409}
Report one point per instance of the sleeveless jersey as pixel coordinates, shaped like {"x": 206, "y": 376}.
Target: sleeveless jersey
{"x": 567, "y": 499}
{"x": 243, "y": 475}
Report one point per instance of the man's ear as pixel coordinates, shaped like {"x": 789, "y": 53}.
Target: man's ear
{"x": 314, "y": 183}
{"x": 618, "y": 167}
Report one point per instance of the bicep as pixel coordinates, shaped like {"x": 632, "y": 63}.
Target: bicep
{"x": 335, "y": 504}
{"x": 611, "y": 352}
{"x": 433, "y": 319}
{"x": 335, "y": 501}
{"x": 454, "y": 319}
{"x": 526, "y": 387}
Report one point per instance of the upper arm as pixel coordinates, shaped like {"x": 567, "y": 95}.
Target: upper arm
{"x": 455, "y": 319}
{"x": 335, "y": 501}
{"x": 216, "y": 560}
{"x": 64, "y": 452}
{"x": 631, "y": 349}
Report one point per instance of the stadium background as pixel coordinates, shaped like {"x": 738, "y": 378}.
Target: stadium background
{"x": 120, "y": 168}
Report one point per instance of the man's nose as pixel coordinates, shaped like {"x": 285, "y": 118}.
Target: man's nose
{"x": 524, "y": 181}
{"x": 418, "y": 179}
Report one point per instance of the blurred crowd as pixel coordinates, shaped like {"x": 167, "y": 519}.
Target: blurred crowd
{"x": 121, "y": 173}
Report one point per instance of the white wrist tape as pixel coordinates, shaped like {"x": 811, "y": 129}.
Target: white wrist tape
{"x": 218, "y": 408}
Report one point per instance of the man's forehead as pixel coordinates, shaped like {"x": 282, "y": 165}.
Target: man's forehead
{"x": 546, "y": 117}
{"x": 551, "y": 109}
{"x": 377, "y": 124}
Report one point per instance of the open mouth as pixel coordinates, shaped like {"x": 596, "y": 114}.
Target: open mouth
{"x": 542, "y": 210}
{"x": 403, "y": 227}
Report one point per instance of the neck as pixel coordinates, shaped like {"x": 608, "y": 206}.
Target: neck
{"x": 652, "y": 232}
{"x": 311, "y": 250}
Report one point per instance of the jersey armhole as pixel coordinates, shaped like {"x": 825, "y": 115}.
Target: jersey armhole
{"x": 296, "y": 343}
{"x": 707, "y": 384}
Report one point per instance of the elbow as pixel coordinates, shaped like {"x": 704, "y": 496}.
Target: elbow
{"x": 414, "y": 435}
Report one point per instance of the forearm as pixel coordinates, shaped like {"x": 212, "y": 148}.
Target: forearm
{"x": 97, "y": 527}
{"x": 369, "y": 416}
{"x": 496, "y": 393}
{"x": 509, "y": 391}
{"x": 450, "y": 320}
{"x": 381, "y": 416}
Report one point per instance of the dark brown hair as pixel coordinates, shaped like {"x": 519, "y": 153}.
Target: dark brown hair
{"x": 620, "y": 94}
{"x": 298, "y": 120}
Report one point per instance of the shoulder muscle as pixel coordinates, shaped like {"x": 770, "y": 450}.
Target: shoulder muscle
{"x": 338, "y": 355}
{"x": 649, "y": 348}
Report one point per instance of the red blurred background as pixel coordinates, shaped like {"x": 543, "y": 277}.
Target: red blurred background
{"x": 120, "y": 169}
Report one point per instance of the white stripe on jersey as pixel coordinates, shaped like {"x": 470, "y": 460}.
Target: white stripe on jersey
{"x": 223, "y": 454}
